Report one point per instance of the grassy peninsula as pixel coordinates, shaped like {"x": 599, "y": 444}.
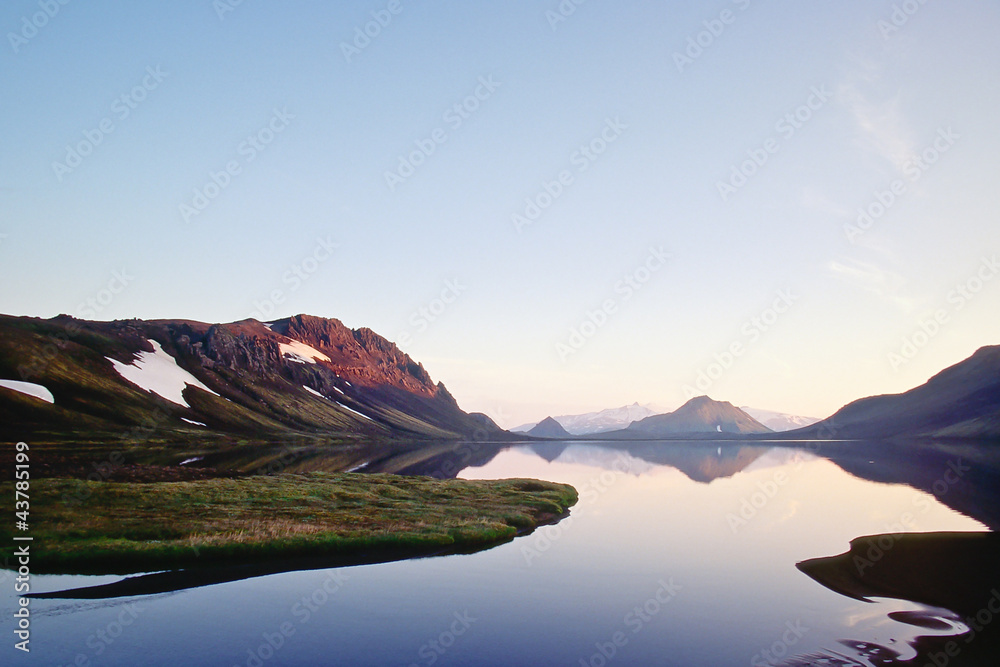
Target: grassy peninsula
{"x": 82, "y": 526}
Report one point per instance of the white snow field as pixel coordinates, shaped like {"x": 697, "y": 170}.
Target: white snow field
{"x": 158, "y": 372}
{"x": 301, "y": 353}
{"x": 29, "y": 388}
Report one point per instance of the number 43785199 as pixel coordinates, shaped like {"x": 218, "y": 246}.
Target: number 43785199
{"x": 22, "y": 474}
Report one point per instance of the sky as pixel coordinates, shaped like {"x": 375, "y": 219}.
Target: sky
{"x": 555, "y": 207}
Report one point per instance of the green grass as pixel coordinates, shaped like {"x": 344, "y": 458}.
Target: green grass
{"x": 134, "y": 527}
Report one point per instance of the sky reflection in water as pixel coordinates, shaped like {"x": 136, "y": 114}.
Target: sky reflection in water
{"x": 649, "y": 557}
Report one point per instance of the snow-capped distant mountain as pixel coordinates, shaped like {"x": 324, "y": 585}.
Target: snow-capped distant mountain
{"x": 778, "y": 421}
{"x": 611, "y": 419}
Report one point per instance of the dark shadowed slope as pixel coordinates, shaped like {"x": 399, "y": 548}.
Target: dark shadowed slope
{"x": 962, "y": 401}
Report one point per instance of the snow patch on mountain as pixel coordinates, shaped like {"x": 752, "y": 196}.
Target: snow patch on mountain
{"x": 353, "y": 410}
{"x": 30, "y": 389}
{"x": 313, "y": 391}
{"x": 158, "y": 372}
{"x": 300, "y": 353}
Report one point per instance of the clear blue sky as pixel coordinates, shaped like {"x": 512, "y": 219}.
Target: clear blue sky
{"x": 330, "y": 122}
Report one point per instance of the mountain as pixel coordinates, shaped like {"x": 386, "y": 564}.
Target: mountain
{"x": 609, "y": 419}
{"x": 549, "y": 428}
{"x": 779, "y": 421}
{"x": 169, "y": 380}
{"x": 962, "y": 401}
{"x": 699, "y": 416}
{"x": 487, "y": 427}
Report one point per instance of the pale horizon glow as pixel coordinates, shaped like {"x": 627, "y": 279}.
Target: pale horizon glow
{"x": 553, "y": 216}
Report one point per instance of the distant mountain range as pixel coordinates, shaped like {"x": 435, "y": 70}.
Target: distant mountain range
{"x": 701, "y": 417}
{"x": 962, "y": 401}
{"x": 614, "y": 419}
{"x": 169, "y": 380}
{"x": 610, "y": 419}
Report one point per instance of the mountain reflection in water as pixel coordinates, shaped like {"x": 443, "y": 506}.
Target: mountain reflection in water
{"x": 663, "y": 515}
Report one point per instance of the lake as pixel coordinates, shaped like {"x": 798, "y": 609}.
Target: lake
{"x": 676, "y": 554}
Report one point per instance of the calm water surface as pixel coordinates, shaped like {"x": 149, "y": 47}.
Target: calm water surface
{"x": 677, "y": 554}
